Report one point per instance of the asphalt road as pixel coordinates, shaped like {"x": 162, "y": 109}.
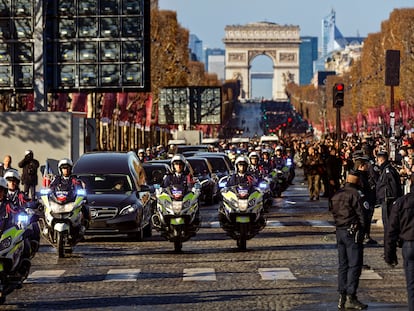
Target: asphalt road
{"x": 290, "y": 265}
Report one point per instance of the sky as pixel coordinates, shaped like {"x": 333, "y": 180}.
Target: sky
{"x": 208, "y": 18}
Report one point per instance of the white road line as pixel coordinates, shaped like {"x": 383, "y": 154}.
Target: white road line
{"x": 117, "y": 275}
{"x": 199, "y": 274}
{"x": 44, "y": 276}
{"x": 320, "y": 224}
{"x": 274, "y": 223}
{"x": 272, "y": 274}
{"x": 214, "y": 224}
{"x": 370, "y": 275}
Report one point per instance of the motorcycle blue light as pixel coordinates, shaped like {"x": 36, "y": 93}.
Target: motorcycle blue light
{"x": 222, "y": 184}
{"x": 262, "y": 185}
{"x": 23, "y": 218}
{"x": 81, "y": 192}
{"x": 44, "y": 191}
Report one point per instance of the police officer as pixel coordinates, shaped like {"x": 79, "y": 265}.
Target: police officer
{"x": 241, "y": 176}
{"x": 367, "y": 180}
{"x": 388, "y": 187}
{"x": 254, "y": 167}
{"x": 65, "y": 181}
{"x": 400, "y": 230}
{"x": 347, "y": 206}
{"x": 180, "y": 173}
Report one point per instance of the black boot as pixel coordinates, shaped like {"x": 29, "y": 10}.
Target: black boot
{"x": 341, "y": 302}
{"x": 352, "y": 302}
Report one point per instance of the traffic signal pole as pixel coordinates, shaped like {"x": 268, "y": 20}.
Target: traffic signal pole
{"x": 338, "y": 93}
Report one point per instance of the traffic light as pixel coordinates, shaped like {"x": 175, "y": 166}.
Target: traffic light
{"x": 338, "y": 95}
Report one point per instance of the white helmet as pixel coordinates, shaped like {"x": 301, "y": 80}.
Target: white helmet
{"x": 178, "y": 158}
{"x": 280, "y": 148}
{"x": 65, "y": 161}
{"x": 242, "y": 159}
{"x": 141, "y": 151}
{"x": 3, "y": 183}
{"x": 253, "y": 154}
{"x": 12, "y": 174}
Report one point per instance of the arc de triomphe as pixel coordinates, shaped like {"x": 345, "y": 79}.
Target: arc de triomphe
{"x": 281, "y": 43}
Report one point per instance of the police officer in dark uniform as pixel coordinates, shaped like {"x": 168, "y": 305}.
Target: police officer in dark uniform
{"x": 347, "y": 206}
{"x": 388, "y": 187}
{"x": 241, "y": 176}
{"x": 180, "y": 173}
{"x": 400, "y": 231}
{"x": 367, "y": 180}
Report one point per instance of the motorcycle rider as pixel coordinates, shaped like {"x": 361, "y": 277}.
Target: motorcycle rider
{"x": 6, "y": 209}
{"x": 241, "y": 176}
{"x": 141, "y": 155}
{"x": 254, "y": 167}
{"x": 180, "y": 173}
{"x": 279, "y": 160}
{"x": 8, "y": 218}
{"x": 18, "y": 201}
{"x": 180, "y": 176}
{"x": 65, "y": 181}
{"x": 266, "y": 162}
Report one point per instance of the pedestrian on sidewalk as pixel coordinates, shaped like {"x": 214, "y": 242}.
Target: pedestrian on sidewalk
{"x": 347, "y": 206}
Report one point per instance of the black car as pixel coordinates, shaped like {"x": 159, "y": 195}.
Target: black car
{"x": 118, "y": 197}
{"x": 203, "y": 171}
{"x": 219, "y": 161}
{"x": 155, "y": 172}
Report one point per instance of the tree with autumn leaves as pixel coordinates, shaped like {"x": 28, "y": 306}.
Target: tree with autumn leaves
{"x": 365, "y": 88}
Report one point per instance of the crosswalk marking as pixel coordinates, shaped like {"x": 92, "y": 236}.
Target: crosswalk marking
{"x": 194, "y": 274}
{"x": 369, "y": 275}
{"x": 271, "y": 274}
{"x": 44, "y": 276}
{"x": 116, "y": 275}
{"x": 274, "y": 223}
{"x": 277, "y": 223}
{"x": 320, "y": 224}
{"x": 199, "y": 274}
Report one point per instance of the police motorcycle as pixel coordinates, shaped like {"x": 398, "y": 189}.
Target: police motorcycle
{"x": 265, "y": 181}
{"x": 280, "y": 174}
{"x": 15, "y": 250}
{"x": 63, "y": 221}
{"x": 241, "y": 211}
{"x": 177, "y": 215}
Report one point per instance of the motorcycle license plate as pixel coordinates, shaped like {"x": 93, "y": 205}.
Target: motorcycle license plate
{"x": 177, "y": 221}
{"x": 242, "y": 219}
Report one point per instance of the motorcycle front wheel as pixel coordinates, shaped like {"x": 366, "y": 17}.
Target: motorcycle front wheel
{"x": 61, "y": 239}
{"x": 242, "y": 241}
{"x": 178, "y": 245}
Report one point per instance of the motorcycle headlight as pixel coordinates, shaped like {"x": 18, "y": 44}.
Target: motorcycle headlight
{"x": 127, "y": 210}
{"x": 5, "y": 243}
{"x": 243, "y": 204}
{"x": 177, "y": 206}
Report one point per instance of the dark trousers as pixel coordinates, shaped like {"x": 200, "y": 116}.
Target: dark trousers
{"x": 30, "y": 190}
{"x": 350, "y": 259}
{"x": 408, "y": 255}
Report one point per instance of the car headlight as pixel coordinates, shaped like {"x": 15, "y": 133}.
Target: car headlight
{"x": 5, "y": 243}
{"x": 127, "y": 210}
